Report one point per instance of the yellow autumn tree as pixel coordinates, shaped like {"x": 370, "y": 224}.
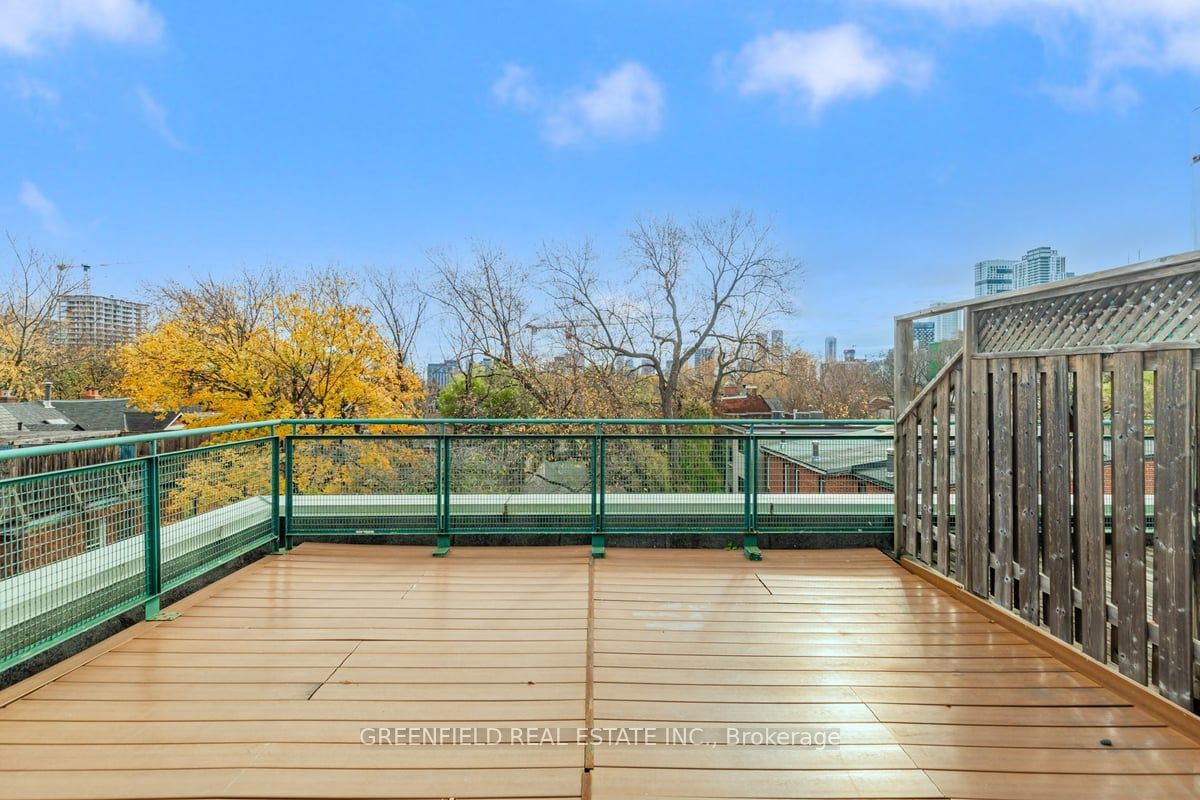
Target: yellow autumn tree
{"x": 253, "y": 349}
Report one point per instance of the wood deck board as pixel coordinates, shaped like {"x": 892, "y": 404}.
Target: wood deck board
{"x": 263, "y": 687}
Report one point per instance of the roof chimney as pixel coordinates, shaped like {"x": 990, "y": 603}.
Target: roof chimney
{"x": 91, "y": 394}
{"x": 750, "y": 389}
{"x": 47, "y": 393}
{"x": 8, "y": 397}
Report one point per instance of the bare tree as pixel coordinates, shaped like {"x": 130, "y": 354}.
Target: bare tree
{"x": 400, "y": 308}
{"x": 487, "y": 308}
{"x": 714, "y": 283}
{"x": 28, "y": 307}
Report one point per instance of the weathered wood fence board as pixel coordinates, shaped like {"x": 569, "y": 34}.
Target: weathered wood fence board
{"x": 927, "y": 446}
{"x": 975, "y": 480}
{"x": 1173, "y": 524}
{"x": 1089, "y": 504}
{"x": 1129, "y": 514}
{"x": 1026, "y": 457}
{"x": 909, "y": 465}
{"x": 1002, "y": 481}
{"x": 1056, "y": 497}
{"x": 1039, "y": 438}
{"x": 944, "y": 444}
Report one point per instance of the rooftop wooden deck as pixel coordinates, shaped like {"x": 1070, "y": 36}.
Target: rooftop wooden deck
{"x": 263, "y": 686}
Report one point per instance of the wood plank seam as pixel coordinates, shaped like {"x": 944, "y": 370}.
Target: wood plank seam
{"x": 85, "y": 657}
{"x": 1171, "y": 714}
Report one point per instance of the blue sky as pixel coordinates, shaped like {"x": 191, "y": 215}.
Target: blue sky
{"x": 893, "y": 143}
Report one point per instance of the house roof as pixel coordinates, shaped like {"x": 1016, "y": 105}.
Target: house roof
{"x": 744, "y": 405}
{"x": 108, "y": 415}
{"x": 146, "y": 422}
{"x": 834, "y": 455}
{"x": 95, "y": 415}
{"x": 35, "y": 416}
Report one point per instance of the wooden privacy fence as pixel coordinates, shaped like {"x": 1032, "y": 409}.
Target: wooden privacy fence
{"x": 1050, "y": 466}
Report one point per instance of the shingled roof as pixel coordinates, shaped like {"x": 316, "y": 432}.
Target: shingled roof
{"x": 109, "y": 415}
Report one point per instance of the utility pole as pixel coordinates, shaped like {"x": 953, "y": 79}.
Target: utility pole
{"x": 1196, "y": 177}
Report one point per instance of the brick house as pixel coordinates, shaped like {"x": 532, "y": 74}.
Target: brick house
{"x": 747, "y": 405}
{"x": 828, "y": 465}
{"x": 827, "y": 459}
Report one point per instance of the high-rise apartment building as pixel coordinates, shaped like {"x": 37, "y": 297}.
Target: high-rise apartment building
{"x": 948, "y": 326}
{"x": 830, "y": 349}
{"x": 1039, "y": 265}
{"x": 994, "y": 276}
{"x": 88, "y": 320}
{"x": 924, "y": 333}
{"x": 440, "y": 373}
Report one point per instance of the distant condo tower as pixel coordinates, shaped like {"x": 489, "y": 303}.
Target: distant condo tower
{"x": 1039, "y": 265}
{"x": 994, "y": 276}
{"x": 88, "y": 320}
{"x": 830, "y": 349}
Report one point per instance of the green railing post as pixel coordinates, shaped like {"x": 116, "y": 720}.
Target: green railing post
{"x": 443, "y": 530}
{"x": 277, "y": 527}
{"x": 152, "y": 529}
{"x": 598, "y": 492}
{"x": 289, "y": 489}
{"x": 750, "y": 466}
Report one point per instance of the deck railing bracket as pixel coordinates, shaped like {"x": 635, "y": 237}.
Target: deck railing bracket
{"x": 443, "y": 546}
{"x": 750, "y": 547}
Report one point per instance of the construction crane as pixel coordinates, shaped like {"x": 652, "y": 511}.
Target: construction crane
{"x": 87, "y": 273}
{"x": 566, "y": 325}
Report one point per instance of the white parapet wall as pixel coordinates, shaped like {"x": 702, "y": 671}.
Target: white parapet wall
{"x": 41, "y": 590}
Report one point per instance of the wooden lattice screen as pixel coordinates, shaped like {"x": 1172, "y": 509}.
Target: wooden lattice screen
{"x": 1157, "y": 311}
{"x": 1052, "y": 468}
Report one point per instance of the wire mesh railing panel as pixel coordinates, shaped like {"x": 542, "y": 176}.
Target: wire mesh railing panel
{"x": 685, "y": 482}
{"x": 214, "y": 502}
{"x": 83, "y": 544}
{"x": 363, "y": 484}
{"x": 73, "y": 553}
{"x": 521, "y": 482}
{"x": 835, "y": 482}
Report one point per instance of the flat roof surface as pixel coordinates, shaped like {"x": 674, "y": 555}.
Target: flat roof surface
{"x": 264, "y": 684}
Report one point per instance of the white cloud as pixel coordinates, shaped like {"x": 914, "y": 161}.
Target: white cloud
{"x": 1119, "y": 95}
{"x": 1121, "y": 35}
{"x": 515, "y": 87}
{"x": 155, "y": 115}
{"x": 626, "y": 103}
{"x": 31, "y": 90}
{"x": 815, "y": 68}
{"x": 31, "y": 197}
{"x": 27, "y": 27}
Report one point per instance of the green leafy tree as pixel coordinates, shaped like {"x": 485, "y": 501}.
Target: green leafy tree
{"x": 493, "y": 394}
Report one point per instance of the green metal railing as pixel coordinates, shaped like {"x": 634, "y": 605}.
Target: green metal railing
{"x": 83, "y": 545}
